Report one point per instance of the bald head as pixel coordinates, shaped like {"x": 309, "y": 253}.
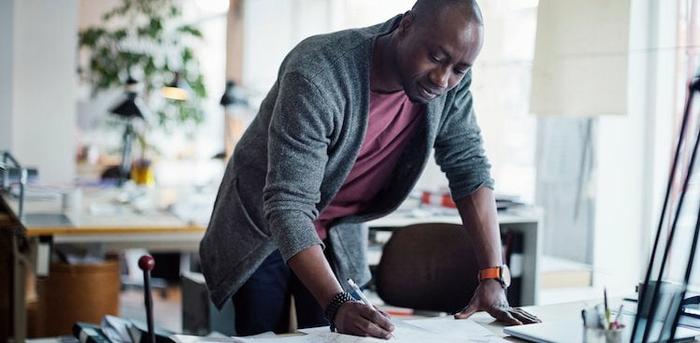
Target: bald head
{"x": 427, "y": 11}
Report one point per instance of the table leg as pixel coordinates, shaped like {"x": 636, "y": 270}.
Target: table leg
{"x": 532, "y": 252}
{"x": 19, "y": 302}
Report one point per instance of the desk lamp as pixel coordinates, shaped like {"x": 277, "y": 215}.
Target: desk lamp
{"x": 233, "y": 95}
{"x": 233, "y": 101}
{"x": 129, "y": 108}
{"x": 177, "y": 90}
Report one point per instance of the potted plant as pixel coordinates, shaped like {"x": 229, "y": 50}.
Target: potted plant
{"x": 146, "y": 40}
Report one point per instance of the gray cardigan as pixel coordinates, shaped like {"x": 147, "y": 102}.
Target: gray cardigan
{"x": 297, "y": 152}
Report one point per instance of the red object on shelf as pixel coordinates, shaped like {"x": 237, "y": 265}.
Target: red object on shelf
{"x": 439, "y": 199}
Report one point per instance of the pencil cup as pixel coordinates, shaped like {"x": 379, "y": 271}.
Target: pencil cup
{"x": 596, "y": 335}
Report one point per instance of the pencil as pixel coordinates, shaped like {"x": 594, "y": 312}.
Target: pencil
{"x": 607, "y": 309}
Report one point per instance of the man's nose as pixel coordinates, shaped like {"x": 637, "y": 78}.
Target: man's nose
{"x": 440, "y": 77}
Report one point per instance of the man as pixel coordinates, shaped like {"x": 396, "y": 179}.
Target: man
{"x": 340, "y": 139}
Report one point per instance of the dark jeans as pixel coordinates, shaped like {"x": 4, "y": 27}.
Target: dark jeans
{"x": 262, "y": 304}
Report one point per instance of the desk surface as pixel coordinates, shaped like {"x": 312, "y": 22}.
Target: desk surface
{"x": 402, "y": 217}
{"x": 100, "y": 213}
{"x": 564, "y": 311}
{"x": 555, "y": 312}
{"x": 428, "y": 329}
{"x": 547, "y": 313}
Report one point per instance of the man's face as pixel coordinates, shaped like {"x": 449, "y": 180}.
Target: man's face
{"x": 432, "y": 58}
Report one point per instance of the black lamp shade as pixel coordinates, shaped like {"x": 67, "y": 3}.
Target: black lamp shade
{"x": 232, "y": 95}
{"x": 128, "y": 108}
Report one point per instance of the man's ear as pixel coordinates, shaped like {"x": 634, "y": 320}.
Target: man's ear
{"x": 407, "y": 22}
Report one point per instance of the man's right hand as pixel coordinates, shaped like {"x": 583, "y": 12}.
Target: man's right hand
{"x": 353, "y": 318}
{"x": 356, "y": 318}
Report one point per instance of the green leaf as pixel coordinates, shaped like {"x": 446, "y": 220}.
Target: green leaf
{"x": 197, "y": 85}
{"x": 187, "y": 55}
{"x": 119, "y": 35}
{"x": 142, "y": 31}
{"x": 189, "y": 29}
{"x": 174, "y": 11}
{"x": 150, "y": 67}
{"x": 155, "y": 27}
{"x": 90, "y": 36}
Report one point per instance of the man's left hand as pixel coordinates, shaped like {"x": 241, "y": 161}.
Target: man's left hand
{"x": 491, "y": 297}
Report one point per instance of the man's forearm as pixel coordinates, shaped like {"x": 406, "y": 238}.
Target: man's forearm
{"x": 312, "y": 268}
{"x": 478, "y": 212}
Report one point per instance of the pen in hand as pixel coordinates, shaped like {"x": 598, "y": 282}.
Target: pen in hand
{"x": 357, "y": 293}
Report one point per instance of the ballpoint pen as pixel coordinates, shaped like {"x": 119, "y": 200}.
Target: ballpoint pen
{"x": 357, "y": 294}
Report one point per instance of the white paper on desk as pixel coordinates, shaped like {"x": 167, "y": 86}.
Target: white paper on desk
{"x": 202, "y": 339}
{"x": 196, "y": 212}
{"x": 267, "y": 337}
{"x": 444, "y": 329}
{"x": 456, "y": 330}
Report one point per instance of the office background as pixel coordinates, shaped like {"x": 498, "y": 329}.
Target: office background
{"x": 599, "y": 178}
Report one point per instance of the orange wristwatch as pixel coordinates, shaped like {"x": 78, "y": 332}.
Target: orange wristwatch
{"x": 500, "y": 273}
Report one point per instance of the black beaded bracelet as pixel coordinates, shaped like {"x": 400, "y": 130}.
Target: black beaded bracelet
{"x": 335, "y": 303}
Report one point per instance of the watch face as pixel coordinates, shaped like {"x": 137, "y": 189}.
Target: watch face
{"x": 505, "y": 276}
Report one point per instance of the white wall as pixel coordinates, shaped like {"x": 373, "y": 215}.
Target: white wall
{"x": 42, "y": 90}
{"x": 501, "y": 89}
{"x": 662, "y": 126}
{"x": 633, "y": 151}
{"x": 6, "y": 23}
{"x": 265, "y": 46}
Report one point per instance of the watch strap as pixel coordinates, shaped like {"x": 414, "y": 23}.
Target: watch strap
{"x": 334, "y": 305}
{"x": 490, "y": 273}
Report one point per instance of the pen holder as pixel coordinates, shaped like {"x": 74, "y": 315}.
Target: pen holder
{"x": 597, "y": 335}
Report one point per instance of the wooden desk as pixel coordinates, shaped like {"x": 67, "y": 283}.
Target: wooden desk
{"x": 44, "y": 224}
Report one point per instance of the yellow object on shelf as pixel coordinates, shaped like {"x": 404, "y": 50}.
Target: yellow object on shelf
{"x": 142, "y": 173}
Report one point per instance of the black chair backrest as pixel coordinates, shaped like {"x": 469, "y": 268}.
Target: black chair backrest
{"x": 429, "y": 267}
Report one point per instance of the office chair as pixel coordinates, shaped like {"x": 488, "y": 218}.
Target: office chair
{"x": 429, "y": 267}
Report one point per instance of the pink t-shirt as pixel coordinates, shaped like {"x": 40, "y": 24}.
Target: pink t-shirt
{"x": 392, "y": 120}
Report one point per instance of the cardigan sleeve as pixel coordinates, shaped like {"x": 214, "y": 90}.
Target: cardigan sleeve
{"x": 459, "y": 147}
{"x": 297, "y": 154}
